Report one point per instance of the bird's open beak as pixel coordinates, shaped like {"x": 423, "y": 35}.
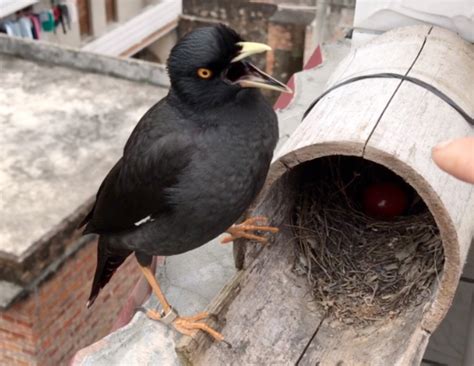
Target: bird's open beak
{"x": 251, "y": 76}
{"x": 250, "y": 48}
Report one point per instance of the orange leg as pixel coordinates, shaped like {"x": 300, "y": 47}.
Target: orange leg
{"x": 251, "y": 224}
{"x": 187, "y": 325}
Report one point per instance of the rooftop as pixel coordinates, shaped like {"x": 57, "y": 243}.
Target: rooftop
{"x": 64, "y": 121}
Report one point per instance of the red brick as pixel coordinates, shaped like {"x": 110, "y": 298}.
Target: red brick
{"x": 54, "y": 320}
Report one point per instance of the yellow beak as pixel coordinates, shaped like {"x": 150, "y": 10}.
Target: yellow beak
{"x": 254, "y": 77}
{"x": 250, "y": 48}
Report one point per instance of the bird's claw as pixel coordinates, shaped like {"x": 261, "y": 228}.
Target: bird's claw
{"x": 256, "y": 223}
{"x": 187, "y": 325}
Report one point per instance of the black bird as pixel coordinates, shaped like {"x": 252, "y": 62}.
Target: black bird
{"x": 192, "y": 165}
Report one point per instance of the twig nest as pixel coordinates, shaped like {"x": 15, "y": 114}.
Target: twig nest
{"x": 363, "y": 268}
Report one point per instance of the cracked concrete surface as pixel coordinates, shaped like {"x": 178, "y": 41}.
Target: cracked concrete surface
{"x": 62, "y": 130}
{"x": 192, "y": 279}
{"x": 189, "y": 282}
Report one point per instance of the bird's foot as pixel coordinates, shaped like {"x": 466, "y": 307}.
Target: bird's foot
{"x": 257, "y": 223}
{"x": 187, "y": 325}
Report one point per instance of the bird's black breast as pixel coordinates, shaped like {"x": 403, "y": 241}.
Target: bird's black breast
{"x": 234, "y": 150}
{"x": 194, "y": 175}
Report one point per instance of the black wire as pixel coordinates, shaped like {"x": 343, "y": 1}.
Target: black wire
{"x": 387, "y": 75}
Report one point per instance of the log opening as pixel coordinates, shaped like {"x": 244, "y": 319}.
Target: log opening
{"x": 363, "y": 266}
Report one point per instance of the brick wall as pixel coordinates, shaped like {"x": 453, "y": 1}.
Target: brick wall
{"x": 49, "y": 325}
{"x": 286, "y": 36}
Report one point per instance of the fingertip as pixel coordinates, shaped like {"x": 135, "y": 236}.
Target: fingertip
{"x": 456, "y": 157}
{"x": 437, "y": 154}
{"x": 443, "y": 145}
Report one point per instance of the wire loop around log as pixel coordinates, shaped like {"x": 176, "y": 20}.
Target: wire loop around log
{"x": 387, "y": 75}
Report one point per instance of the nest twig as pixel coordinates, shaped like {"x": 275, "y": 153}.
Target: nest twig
{"x": 362, "y": 269}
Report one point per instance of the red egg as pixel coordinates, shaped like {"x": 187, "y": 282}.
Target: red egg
{"x": 384, "y": 200}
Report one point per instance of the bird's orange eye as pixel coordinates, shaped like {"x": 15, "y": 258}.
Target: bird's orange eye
{"x": 204, "y": 73}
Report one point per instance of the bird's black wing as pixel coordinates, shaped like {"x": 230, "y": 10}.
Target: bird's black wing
{"x": 158, "y": 150}
{"x": 135, "y": 188}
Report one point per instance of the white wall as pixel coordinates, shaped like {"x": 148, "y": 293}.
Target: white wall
{"x": 162, "y": 47}
{"x": 98, "y": 17}
{"x": 127, "y": 9}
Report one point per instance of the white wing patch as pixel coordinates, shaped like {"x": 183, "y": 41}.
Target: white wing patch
{"x": 144, "y": 220}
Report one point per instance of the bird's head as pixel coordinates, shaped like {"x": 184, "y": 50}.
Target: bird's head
{"x": 208, "y": 66}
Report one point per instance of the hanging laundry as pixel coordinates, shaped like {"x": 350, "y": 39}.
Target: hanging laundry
{"x": 36, "y": 26}
{"x": 65, "y": 15}
{"x": 30, "y": 25}
{"x": 55, "y": 11}
{"x": 8, "y": 28}
{"x": 59, "y": 18}
{"x": 25, "y": 27}
{"x": 15, "y": 29}
{"x": 47, "y": 20}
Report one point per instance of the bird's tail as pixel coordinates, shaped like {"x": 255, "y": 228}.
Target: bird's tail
{"x": 107, "y": 264}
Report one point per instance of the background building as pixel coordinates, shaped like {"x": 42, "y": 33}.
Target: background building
{"x": 147, "y": 29}
{"x": 110, "y": 27}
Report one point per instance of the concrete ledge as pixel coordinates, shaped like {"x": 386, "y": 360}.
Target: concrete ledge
{"x": 42, "y": 258}
{"x": 130, "y": 69}
{"x": 11, "y": 292}
{"x": 8, "y": 292}
{"x": 155, "y": 346}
